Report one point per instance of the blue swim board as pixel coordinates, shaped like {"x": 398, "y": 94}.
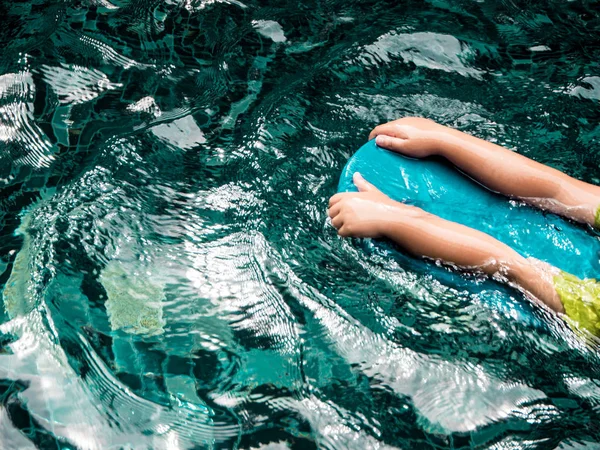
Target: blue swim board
{"x": 437, "y": 187}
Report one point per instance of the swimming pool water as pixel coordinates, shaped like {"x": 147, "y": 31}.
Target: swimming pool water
{"x": 169, "y": 279}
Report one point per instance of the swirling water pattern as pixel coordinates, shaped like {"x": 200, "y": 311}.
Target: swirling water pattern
{"x": 169, "y": 279}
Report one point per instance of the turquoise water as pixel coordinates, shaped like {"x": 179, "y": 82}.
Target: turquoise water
{"x": 169, "y": 277}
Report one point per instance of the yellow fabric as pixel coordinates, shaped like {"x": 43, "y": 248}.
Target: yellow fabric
{"x": 597, "y": 219}
{"x": 581, "y": 300}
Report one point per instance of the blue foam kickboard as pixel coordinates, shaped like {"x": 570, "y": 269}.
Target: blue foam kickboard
{"x": 438, "y": 188}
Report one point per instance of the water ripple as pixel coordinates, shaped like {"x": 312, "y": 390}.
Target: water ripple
{"x": 18, "y": 130}
{"x": 169, "y": 279}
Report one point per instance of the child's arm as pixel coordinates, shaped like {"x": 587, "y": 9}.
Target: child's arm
{"x": 370, "y": 213}
{"x": 495, "y": 167}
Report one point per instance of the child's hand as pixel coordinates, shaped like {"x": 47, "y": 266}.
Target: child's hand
{"x": 367, "y": 213}
{"x": 411, "y": 136}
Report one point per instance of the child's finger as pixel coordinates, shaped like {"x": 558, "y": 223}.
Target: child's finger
{"x": 388, "y": 129}
{"x": 334, "y": 210}
{"x": 336, "y": 198}
{"x": 337, "y": 221}
{"x": 362, "y": 184}
{"x": 390, "y": 143}
{"x": 344, "y": 231}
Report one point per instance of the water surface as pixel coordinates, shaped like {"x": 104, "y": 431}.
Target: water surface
{"x": 169, "y": 278}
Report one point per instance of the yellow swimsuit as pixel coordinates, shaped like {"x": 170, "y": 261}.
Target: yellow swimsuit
{"x": 581, "y": 298}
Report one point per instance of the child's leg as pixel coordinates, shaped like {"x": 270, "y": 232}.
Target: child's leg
{"x": 495, "y": 167}
{"x": 370, "y": 213}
